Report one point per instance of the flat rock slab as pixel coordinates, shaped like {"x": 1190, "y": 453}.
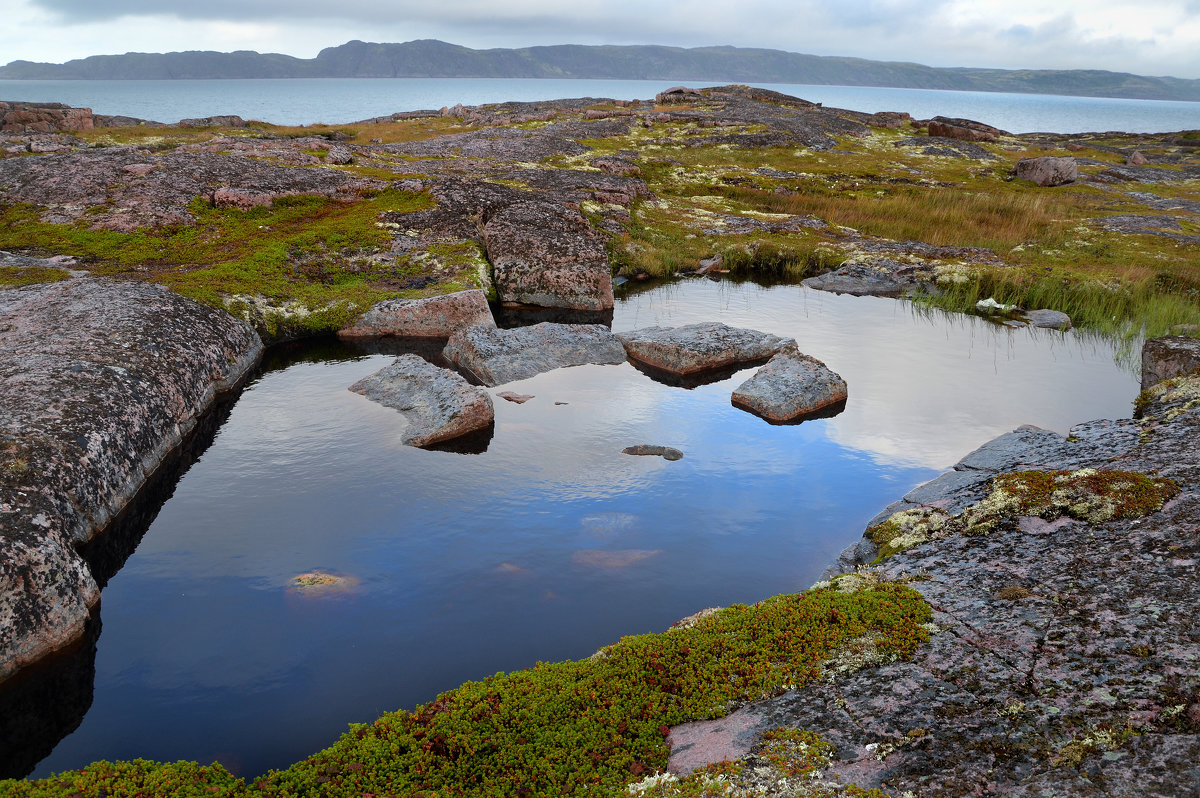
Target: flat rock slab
{"x": 695, "y": 348}
{"x": 791, "y": 387}
{"x": 99, "y": 383}
{"x": 879, "y": 277}
{"x": 438, "y": 403}
{"x": 1168, "y": 357}
{"x": 431, "y": 317}
{"x": 545, "y": 254}
{"x": 494, "y": 356}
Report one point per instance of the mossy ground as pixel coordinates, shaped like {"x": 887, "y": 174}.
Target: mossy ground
{"x": 307, "y": 263}
{"x": 589, "y": 727}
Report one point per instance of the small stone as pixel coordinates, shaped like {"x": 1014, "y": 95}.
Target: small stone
{"x": 665, "y": 452}
{"x": 431, "y": 317}
{"x": 514, "y": 397}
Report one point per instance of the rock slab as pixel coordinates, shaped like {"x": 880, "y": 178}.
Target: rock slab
{"x": 431, "y": 317}
{"x": 99, "y": 382}
{"x": 493, "y": 356}
{"x": 1048, "y": 170}
{"x": 546, "y": 254}
{"x": 695, "y": 348}
{"x": 790, "y": 387}
{"x": 438, "y": 403}
{"x": 1169, "y": 357}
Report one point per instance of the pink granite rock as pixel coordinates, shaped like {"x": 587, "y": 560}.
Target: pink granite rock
{"x": 431, "y": 317}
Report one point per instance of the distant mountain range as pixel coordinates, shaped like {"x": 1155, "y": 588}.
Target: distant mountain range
{"x": 429, "y": 58}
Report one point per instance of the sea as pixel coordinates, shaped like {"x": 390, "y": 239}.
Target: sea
{"x": 304, "y": 101}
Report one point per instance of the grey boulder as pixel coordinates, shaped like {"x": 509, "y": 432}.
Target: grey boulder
{"x": 790, "y": 387}
{"x": 695, "y": 348}
{"x": 1048, "y": 319}
{"x": 1169, "y": 357}
{"x": 438, "y": 404}
{"x": 493, "y": 356}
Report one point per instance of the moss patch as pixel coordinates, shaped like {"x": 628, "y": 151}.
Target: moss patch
{"x": 305, "y": 264}
{"x": 14, "y": 276}
{"x": 1091, "y": 495}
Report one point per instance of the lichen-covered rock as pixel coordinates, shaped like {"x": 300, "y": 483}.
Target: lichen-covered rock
{"x": 24, "y": 117}
{"x": 962, "y": 129}
{"x": 71, "y": 186}
{"x": 1048, "y": 170}
{"x": 546, "y": 254}
{"x": 431, "y": 317}
{"x": 495, "y": 356}
{"x": 695, "y": 348}
{"x": 790, "y": 387}
{"x": 1169, "y": 357}
{"x": 99, "y": 382}
{"x": 438, "y": 403}
{"x": 1062, "y": 659}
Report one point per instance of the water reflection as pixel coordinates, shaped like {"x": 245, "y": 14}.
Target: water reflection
{"x": 548, "y": 545}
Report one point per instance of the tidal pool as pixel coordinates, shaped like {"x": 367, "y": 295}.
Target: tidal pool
{"x": 310, "y": 571}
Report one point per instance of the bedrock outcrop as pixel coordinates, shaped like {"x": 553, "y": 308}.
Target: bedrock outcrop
{"x": 1064, "y": 650}
{"x": 430, "y": 317}
{"x": 99, "y": 382}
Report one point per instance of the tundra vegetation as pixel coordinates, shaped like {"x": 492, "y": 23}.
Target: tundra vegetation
{"x": 1115, "y": 250}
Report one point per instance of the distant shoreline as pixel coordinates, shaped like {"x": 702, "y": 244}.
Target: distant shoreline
{"x": 436, "y": 59}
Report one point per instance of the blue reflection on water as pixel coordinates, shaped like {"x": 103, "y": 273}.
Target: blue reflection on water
{"x": 546, "y": 547}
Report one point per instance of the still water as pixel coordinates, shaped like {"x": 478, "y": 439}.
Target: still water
{"x": 303, "y": 101}
{"x": 551, "y": 543}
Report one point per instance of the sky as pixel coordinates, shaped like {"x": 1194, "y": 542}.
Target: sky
{"x": 1148, "y": 37}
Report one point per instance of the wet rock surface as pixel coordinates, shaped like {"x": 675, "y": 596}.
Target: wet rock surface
{"x": 790, "y": 387}
{"x": 438, "y": 404}
{"x": 1169, "y": 357}
{"x": 879, "y": 276}
{"x": 695, "y": 348}
{"x": 1063, "y": 654}
{"x": 1048, "y": 319}
{"x": 431, "y": 317}
{"x": 494, "y": 356}
{"x": 99, "y": 382}
{"x": 653, "y": 450}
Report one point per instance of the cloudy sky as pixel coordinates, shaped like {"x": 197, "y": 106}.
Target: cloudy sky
{"x": 1154, "y": 37}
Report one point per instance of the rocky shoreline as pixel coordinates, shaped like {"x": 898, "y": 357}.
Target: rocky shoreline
{"x": 1063, "y": 658}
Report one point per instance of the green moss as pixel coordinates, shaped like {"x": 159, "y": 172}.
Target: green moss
{"x": 1097, "y": 740}
{"x": 131, "y": 779}
{"x": 305, "y": 263}
{"x": 14, "y": 276}
{"x": 1090, "y": 495}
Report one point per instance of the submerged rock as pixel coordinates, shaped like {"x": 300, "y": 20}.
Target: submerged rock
{"x": 1048, "y": 170}
{"x": 653, "y": 450}
{"x": 546, "y": 254}
{"x": 790, "y": 387}
{"x": 431, "y": 317}
{"x": 695, "y": 348}
{"x": 438, "y": 403}
{"x": 493, "y": 356}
